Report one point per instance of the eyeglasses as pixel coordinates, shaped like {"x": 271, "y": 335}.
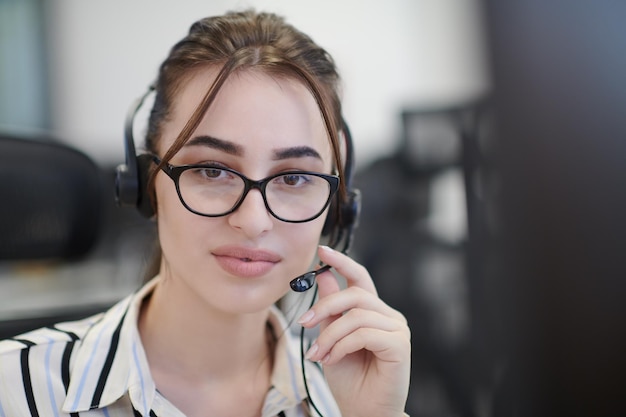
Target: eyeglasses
{"x": 214, "y": 191}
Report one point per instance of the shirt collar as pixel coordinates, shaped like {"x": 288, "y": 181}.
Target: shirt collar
{"x": 287, "y": 388}
{"x": 112, "y": 362}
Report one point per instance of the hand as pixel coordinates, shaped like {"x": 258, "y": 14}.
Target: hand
{"x": 363, "y": 344}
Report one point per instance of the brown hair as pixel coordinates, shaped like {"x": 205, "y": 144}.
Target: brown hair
{"x": 235, "y": 42}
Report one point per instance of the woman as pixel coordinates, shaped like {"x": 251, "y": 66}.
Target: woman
{"x": 243, "y": 97}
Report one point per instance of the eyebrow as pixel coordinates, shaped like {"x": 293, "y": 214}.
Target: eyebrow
{"x": 296, "y": 152}
{"x": 238, "y": 150}
{"x": 215, "y": 143}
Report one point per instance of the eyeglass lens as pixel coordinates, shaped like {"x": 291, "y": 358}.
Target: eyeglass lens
{"x": 292, "y": 196}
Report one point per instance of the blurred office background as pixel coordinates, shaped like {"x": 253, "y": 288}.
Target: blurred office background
{"x": 71, "y": 68}
{"x": 418, "y": 98}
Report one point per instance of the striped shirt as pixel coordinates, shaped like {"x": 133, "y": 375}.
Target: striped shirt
{"x": 98, "y": 367}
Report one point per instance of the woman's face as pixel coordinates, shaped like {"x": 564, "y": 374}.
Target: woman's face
{"x": 258, "y": 126}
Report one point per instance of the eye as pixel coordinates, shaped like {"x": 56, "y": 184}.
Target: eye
{"x": 294, "y": 180}
{"x": 210, "y": 173}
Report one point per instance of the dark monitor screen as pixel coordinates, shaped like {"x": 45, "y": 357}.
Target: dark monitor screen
{"x": 559, "y": 91}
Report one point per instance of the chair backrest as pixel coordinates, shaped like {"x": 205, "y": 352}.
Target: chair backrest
{"x": 50, "y": 200}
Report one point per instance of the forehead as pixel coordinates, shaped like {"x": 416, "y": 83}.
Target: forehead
{"x": 252, "y": 108}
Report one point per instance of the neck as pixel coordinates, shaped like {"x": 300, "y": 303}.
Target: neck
{"x": 197, "y": 342}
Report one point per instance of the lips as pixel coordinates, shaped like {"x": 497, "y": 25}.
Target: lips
{"x": 244, "y": 262}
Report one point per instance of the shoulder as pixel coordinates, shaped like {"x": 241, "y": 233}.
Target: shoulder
{"x": 45, "y": 368}
{"x": 63, "y": 333}
{"x": 48, "y": 337}
{"x": 34, "y": 366}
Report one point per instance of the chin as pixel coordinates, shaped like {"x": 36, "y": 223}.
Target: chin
{"x": 248, "y": 300}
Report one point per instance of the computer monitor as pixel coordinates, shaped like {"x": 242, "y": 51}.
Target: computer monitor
{"x": 559, "y": 93}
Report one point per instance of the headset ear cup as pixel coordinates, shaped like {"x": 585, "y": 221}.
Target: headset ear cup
{"x": 331, "y": 219}
{"x": 351, "y": 210}
{"x": 341, "y": 220}
{"x": 144, "y": 202}
{"x": 125, "y": 186}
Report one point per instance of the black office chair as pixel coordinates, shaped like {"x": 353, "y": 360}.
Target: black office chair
{"x": 51, "y": 200}
{"x": 51, "y": 209}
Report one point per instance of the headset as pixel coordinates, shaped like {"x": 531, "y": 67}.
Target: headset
{"x": 131, "y": 178}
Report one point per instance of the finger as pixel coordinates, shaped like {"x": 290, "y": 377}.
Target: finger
{"x": 354, "y": 273}
{"x": 337, "y": 303}
{"x": 386, "y": 346}
{"x": 350, "y": 322}
{"x": 327, "y": 284}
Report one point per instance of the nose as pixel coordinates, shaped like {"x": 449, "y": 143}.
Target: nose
{"x": 252, "y": 217}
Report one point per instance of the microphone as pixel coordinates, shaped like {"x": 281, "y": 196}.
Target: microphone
{"x": 305, "y": 281}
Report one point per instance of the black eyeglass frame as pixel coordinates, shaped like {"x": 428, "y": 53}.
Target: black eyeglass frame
{"x": 175, "y": 171}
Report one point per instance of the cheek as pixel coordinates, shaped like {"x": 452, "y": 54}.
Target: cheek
{"x": 176, "y": 224}
{"x": 166, "y": 197}
{"x": 303, "y": 240}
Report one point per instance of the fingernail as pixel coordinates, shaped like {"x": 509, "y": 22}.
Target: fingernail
{"x": 306, "y": 317}
{"x": 325, "y": 358}
{"x": 312, "y": 351}
{"x": 326, "y": 248}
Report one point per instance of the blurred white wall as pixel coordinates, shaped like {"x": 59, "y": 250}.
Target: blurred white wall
{"x": 391, "y": 54}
